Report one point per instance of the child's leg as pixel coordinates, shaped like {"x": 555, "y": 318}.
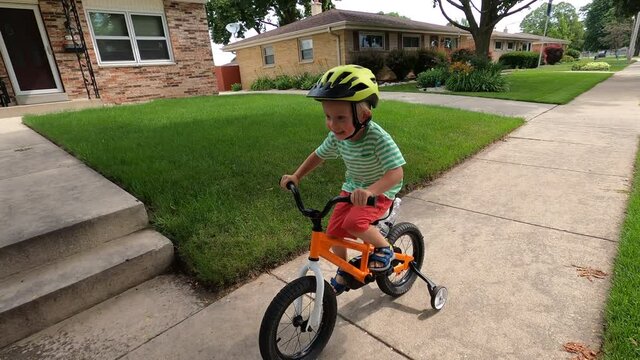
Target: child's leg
{"x": 358, "y": 223}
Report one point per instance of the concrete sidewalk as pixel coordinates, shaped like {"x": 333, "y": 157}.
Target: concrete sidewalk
{"x": 505, "y": 232}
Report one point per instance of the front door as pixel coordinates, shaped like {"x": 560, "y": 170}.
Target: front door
{"x": 26, "y": 51}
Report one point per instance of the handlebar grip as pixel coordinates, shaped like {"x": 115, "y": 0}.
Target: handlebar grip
{"x": 290, "y": 185}
{"x": 371, "y": 201}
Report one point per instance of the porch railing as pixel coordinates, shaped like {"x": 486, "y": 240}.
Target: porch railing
{"x": 74, "y": 30}
{"x": 4, "y": 94}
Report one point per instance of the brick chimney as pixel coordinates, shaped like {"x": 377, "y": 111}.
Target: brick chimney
{"x": 316, "y": 7}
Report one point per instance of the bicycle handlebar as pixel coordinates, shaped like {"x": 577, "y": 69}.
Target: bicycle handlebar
{"x": 312, "y": 213}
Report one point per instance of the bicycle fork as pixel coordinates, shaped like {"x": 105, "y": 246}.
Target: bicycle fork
{"x": 314, "y": 319}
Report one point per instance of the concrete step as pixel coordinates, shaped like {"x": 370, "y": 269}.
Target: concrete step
{"x": 33, "y": 300}
{"x": 20, "y": 110}
{"x": 52, "y": 204}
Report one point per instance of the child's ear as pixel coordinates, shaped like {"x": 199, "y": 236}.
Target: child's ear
{"x": 365, "y": 114}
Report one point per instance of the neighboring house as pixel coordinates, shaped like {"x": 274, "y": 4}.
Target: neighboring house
{"x": 335, "y": 37}
{"x": 118, "y": 50}
{"x": 503, "y": 42}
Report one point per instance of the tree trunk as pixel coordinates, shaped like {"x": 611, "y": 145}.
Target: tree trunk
{"x": 482, "y": 39}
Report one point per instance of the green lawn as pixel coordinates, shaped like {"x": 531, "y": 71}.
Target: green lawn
{"x": 551, "y": 84}
{"x": 622, "y": 334}
{"x": 208, "y": 167}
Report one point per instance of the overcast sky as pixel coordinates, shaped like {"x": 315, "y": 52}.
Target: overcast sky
{"x": 419, "y": 10}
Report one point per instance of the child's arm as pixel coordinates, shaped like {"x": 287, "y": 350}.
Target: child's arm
{"x": 311, "y": 162}
{"x": 386, "y": 182}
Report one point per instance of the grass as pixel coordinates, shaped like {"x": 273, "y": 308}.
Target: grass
{"x": 622, "y": 334}
{"x": 548, "y": 84}
{"x": 208, "y": 167}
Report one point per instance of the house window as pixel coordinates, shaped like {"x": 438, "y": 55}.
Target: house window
{"x": 130, "y": 38}
{"x": 433, "y": 42}
{"x": 371, "y": 41}
{"x": 510, "y": 45}
{"x": 268, "y": 55}
{"x": 410, "y": 42}
{"x": 306, "y": 49}
{"x": 449, "y": 43}
{"x": 498, "y": 45}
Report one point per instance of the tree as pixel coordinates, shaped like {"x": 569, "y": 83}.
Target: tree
{"x": 255, "y": 14}
{"x": 626, "y": 8}
{"x": 617, "y": 34}
{"x": 393, "y": 13}
{"x": 598, "y": 13}
{"x": 490, "y": 13}
{"x": 564, "y": 23}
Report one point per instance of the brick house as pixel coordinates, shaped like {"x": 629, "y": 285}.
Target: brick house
{"x": 504, "y": 42}
{"x": 117, "y": 50}
{"x": 335, "y": 37}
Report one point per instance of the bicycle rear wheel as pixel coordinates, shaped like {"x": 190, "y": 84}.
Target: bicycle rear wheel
{"x": 406, "y": 238}
{"x": 283, "y": 333}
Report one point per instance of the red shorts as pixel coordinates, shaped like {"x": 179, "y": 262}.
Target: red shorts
{"x": 347, "y": 218}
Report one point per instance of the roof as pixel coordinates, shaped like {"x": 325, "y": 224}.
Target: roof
{"x": 342, "y": 19}
{"x": 525, "y": 36}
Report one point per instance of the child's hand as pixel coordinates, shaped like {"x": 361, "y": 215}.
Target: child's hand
{"x": 287, "y": 179}
{"x": 359, "y": 197}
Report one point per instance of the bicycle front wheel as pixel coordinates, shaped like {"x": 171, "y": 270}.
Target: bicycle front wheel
{"x": 283, "y": 332}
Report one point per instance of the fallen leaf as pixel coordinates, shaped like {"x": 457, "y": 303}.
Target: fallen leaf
{"x": 590, "y": 273}
{"x": 583, "y": 352}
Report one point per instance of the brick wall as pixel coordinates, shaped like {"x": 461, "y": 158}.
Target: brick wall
{"x": 192, "y": 73}
{"x": 325, "y": 56}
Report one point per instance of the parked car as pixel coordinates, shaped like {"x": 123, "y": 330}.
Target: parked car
{"x": 600, "y": 54}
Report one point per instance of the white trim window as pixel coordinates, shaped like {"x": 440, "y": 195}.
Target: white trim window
{"x": 370, "y": 40}
{"x": 510, "y": 45}
{"x": 410, "y": 41}
{"x": 268, "y": 56}
{"x": 306, "y": 49}
{"x": 124, "y": 38}
{"x": 498, "y": 45}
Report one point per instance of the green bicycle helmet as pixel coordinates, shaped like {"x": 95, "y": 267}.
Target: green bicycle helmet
{"x": 352, "y": 83}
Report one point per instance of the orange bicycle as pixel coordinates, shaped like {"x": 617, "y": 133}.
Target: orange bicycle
{"x": 300, "y": 319}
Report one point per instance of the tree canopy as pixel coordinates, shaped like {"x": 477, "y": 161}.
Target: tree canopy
{"x": 597, "y": 14}
{"x": 564, "y": 23}
{"x": 626, "y": 8}
{"x": 617, "y": 34}
{"x": 488, "y": 15}
{"x": 255, "y": 14}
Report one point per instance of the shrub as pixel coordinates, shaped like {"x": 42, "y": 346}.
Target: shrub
{"x": 427, "y": 59}
{"x": 592, "y": 66}
{"x": 284, "y": 82}
{"x": 567, "y": 59}
{"x": 401, "y": 62}
{"x": 463, "y": 55}
{"x": 236, "y": 87}
{"x": 464, "y": 77}
{"x": 304, "y": 81}
{"x": 519, "y": 59}
{"x": 553, "y": 54}
{"x": 432, "y": 77}
{"x": 574, "y": 53}
{"x": 263, "y": 83}
{"x": 372, "y": 60}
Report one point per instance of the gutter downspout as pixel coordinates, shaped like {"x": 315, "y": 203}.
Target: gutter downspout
{"x": 337, "y": 43}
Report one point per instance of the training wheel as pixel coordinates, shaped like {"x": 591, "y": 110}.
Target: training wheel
{"x": 439, "y": 297}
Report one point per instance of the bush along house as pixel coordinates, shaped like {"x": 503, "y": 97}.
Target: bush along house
{"x": 116, "y": 50}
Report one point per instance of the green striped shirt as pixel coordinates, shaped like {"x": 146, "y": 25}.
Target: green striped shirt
{"x": 367, "y": 159}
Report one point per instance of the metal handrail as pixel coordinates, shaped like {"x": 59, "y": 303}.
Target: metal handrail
{"x": 4, "y": 94}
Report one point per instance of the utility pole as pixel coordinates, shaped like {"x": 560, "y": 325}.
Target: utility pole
{"x": 546, "y": 22}
{"x": 634, "y": 38}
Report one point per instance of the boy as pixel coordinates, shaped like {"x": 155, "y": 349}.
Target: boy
{"x": 372, "y": 158}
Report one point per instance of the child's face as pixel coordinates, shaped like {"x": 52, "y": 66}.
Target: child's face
{"x": 338, "y": 116}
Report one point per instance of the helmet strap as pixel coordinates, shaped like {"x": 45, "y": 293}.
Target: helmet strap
{"x": 356, "y": 122}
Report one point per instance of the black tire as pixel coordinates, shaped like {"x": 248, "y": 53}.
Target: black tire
{"x": 406, "y": 238}
{"x": 279, "y": 327}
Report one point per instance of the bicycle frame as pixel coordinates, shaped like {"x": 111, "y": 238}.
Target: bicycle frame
{"x": 321, "y": 244}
